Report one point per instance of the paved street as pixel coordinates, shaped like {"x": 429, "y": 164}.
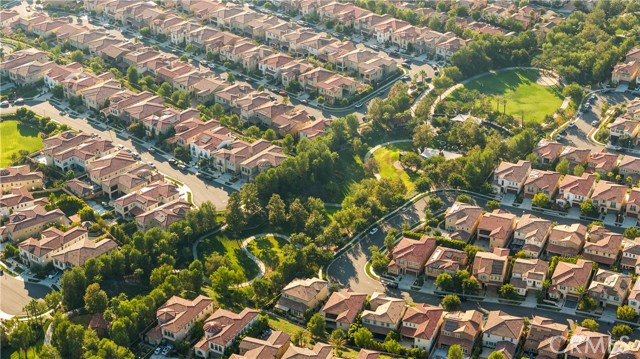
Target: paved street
{"x": 15, "y": 294}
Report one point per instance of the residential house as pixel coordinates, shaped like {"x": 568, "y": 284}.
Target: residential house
{"x": 575, "y": 156}
{"x": 566, "y": 240}
{"x": 624, "y": 129}
{"x": 314, "y": 129}
{"x": 634, "y": 296}
{"x": 76, "y": 158}
{"x": 461, "y": 219}
{"x": 531, "y": 234}
{"x": 77, "y": 254}
{"x": 609, "y": 288}
{"x": 461, "y": 328}
{"x": 422, "y": 323}
{"x": 609, "y": 197}
{"x": 97, "y": 97}
{"x": 291, "y": 122}
{"x": 230, "y": 95}
{"x": 342, "y": 308}
{"x": 447, "y": 47}
{"x": 630, "y": 167}
{"x": 490, "y": 268}
{"x": 30, "y": 73}
{"x": 221, "y": 330}
{"x": 52, "y": 241}
{"x": 410, "y": 255}
{"x": 633, "y": 203}
{"x": 501, "y": 327}
{"x": 625, "y": 350}
{"x": 497, "y": 228}
{"x": 528, "y": 274}
{"x": 510, "y": 177}
{"x": 385, "y": 313}
{"x": 19, "y": 176}
{"x": 177, "y": 316}
{"x": 569, "y": 279}
{"x": 630, "y": 254}
{"x": 30, "y": 222}
{"x": 22, "y": 57}
{"x": 545, "y": 337}
{"x": 574, "y": 190}
{"x": 59, "y": 73}
{"x": 17, "y": 200}
{"x": 602, "y": 246}
{"x": 303, "y": 294}
{"x": 163, "y": 216}
{"x": 209, "y": 141}
{"x": 160, "y": 123}
{"x": 319, "y": 351}
{"x": 445, "y": 260}
{"x": 625, "y": 72}
{"x": 145, "y": 199}
{"x": 602, "y": 163}
{"x": 273, "y": 347}
{"x": 188, "y": 131}
{"x": 110, "y": 166}
{"x": 585, "y": 344}
{"x": 539, "y": 181}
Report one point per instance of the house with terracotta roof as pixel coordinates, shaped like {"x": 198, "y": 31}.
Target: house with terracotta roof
{"x": 77, "y": 254}
{"x": 566, "y": 240}
{"x": 585, "y": 344}
{"x": 272, "y": 65}
{"x": 29, "y": 73}
{"x": 497, "y": 228}
{"x": 461, "y": 219}
{"x": 510, "y": 177}
{"x": 539, "y": 181}
{"x": 368, "y": 354}
{"x": 301, "y": 295}
{"x": 177, "y": 316}
{"x": 210, "y": 140}
{"x": 528, "y": 274}
{"x": 625, "y": 350}
{"x": 30, "y": 222}
{"x": 314, "y": 128}
{"x": 574, "y": 190}
{"x": 59, "y": 73}
{"x": 22, "y": 57}
{"x": 609, "y": 288}
{"x": 623, "y": 128}
{"x": 575, "y": 156}
{"x": 51, "y": 242}
{"x": 625, "y": 72}
{"x": 602, "y": 162}
{"x": 461, "y": 328}
{"x": 447, "y": 47}
{"x": 110, "y": 166}
{"x": 222, "y": 328}
{"x": 569, "y": 278}
{"x": 410, "y": 255}
{"x": 490, "y": 268}
{"x": 76, "y": 158}
{"x": 545, "y": 335}
{"x": 531, "y": 233}
{"x": 146, "y": 199}
{"x": 422, "y": 323}
{"x": 445, "y": 260}
{"x": 632, "y": 205}
{"x": 384, "y": 313}
{"x": 319, "y": 351}
{"x": 273, "y": 347}
{"x": 609, "y": 197}
{"x": 630, "y": 254}
{"x": 602, "y": 246}
{"x": 630, "y": 166}
{"x": 634, "y": 296}
{"x": 18, "y": 177}
{"x": 17, "y": 199}
{"x": 342, "y": 308}
{"x": 502, "y": 327}
{"x": 163, "y": 215}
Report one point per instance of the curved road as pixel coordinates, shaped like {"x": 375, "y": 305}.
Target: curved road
{"x": 15, "y": 294}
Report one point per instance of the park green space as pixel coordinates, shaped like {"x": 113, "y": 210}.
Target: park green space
{"x": 521, "y": 91}
{"x": 15, "y": 137}
{"x": 386, "y": 156}
{"x": 230, "y": 248}
{"x": 269, "y": 250}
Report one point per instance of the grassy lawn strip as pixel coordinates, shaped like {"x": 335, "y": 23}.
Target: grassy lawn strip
{"x": 269, "y": 250}
{"x": 522, "y": 93}
{"x": 14, "y": 137}
{"x": 386, "y": 156}
{"x": 283, "y": 325}
{"x": 231, "y": 249}
{"x": 9, "y": 353}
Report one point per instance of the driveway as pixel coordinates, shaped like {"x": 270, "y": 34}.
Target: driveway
{"x": 15, "y": 294}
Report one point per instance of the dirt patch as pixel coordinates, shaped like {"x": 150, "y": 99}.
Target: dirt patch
{"x": 545, "y": 80}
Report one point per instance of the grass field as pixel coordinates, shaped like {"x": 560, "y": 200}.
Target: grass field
{"x": 386, "y": 156}
{"x": 522, "y": 92}
{"x": 9, "y": 353}
{"x": 231, "y": 249}
{"x": 14, "y": 137}
{"x": 269, "y": 250}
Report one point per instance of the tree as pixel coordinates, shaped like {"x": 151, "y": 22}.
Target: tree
{"x": 411, "y": 160}
{"x": 298, "y": 215}
{"x": 74, "y": 283}
{"x": 338, "y": 340}
{"x": 493, "y": 205}
{"x": 578, "y": 170}
{"x": 77, "y": 56}
{"x": 10, "y": 251}
{"x": 145, "y": 31}
{"x": 508, "y": 291}
{"x": 184, "y": 58}
{"x": 132, "y": 75}
{"x": 496, "y": 355}
{"x": 588, "y": 209}
{"x": 95, "y": 299}
{"x": 223, "y": 280}
{"x": 136, "y": 129}
{"x": 450, "y": 302}
{"x": 574, "y": 91}
{"x": 626, "y": 313}
{"x": 269, "y": 135}
{"x": 22, "y": 336}
{"x": 540, "y": 200}
{"x": 621, "y": 330}
{"x": 422, "y": 136}
{"x": 230, "y": 77}
{"x": 455, "y": 352}
{"x": 563, "y": 166}
{"x": 49, "y": 352}
{"x": 300, "y": 338}
{"x": 435, "y": 204}
{"x": 277, "y": 210}
{"x": 165, "y": 90}
{"x": 590, "y": 324}
{"x": 234, "y": 215}
{"x": 363, "y": 337}
{"x": 444, "y": 281}
{"x": 317, "y": 325}
{"x": 58, "y": 91}
{"x": 390, "y": 239}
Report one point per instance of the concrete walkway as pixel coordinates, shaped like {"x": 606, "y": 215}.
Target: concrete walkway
{"x": 261, "y": 266}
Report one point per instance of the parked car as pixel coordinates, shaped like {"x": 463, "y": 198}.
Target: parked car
{"x": 558, "y": 137}
{"x": 182, "y": 167}
{"x": 358, "y": 105}
{"x": 19, "y": 101}
{"x": 572, "y": 125}
{"x": 373, "y": 230}
{"x": 282, "y": 93}
{"x": 158, "y": 350}
{"x": 304, "y": 101}
{"x": 166, "y": 351}
{"x": 595, "y": 123}
{"x": 4, "y": 103}
{"x": 405, "y": 78}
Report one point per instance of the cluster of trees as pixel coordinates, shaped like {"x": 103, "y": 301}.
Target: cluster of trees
{"x": 362, "y": 337}
{"x": 42, "y": 124}
{"x": 394, "y": 109}
{"x": 461, "y": 282}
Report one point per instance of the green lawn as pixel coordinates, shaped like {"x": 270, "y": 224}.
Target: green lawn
{"x": 350, "y": 172}
{"x": 14, "y": 137}
{"x": 283, "y": 325}
{"x": 522, "y": 93}
{"x": 269, "y": 250}
{"x": 9, "y": 353}
{"x": 232, "y": 250}
{"x": 385, "y": 158}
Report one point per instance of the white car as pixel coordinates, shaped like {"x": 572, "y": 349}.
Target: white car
{"x": 373, "y": 230}
{"x": 594, "y": 123}
{"x": 572, "y": 125}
